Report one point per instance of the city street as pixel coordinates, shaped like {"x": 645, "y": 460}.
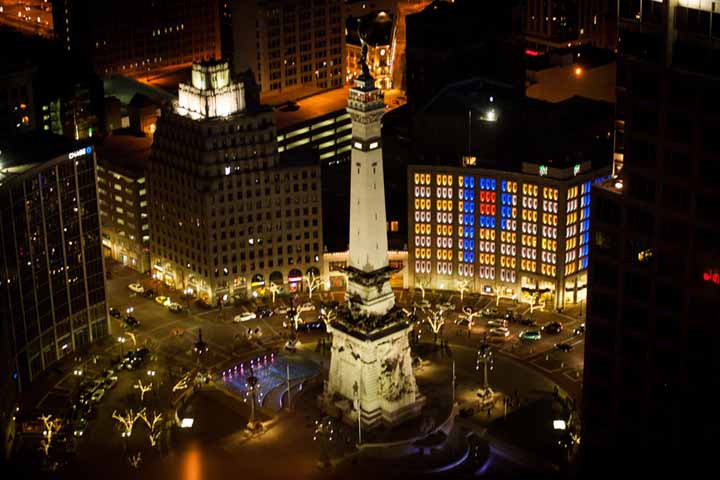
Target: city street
{"x": 522, "y": 370}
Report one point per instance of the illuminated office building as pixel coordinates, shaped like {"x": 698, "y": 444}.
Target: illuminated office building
{"x": 504, "y": 233}
{"x": 228, "y": 216}
{"x": 135, "y": 37}
{"x": 290, "y": 44}
{"x": 53, "y": 281}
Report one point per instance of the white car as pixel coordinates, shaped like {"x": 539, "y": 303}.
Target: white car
{"x": 175, "y": 307}
{"x": 497, "y": 323}
{"x": 500, "y": 332}
{"x": 97, "y": 395}
{"x": 136, "y": 287}
{"x": 282, "y": 310}
{"x": 244, "y": 317}
{"x": 308, "y": 306}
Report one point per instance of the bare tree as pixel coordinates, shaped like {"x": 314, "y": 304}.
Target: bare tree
{"x": 327, "y": 315}
{"x": 435, "y": 319}
{"x": 274, "y": 289}
{"x": 51, "y": 426}
{"x": 312, "y": 282}
{"x": 463, "y": 286}
{"x": 127, "y": 420}
{"x": 132, "y": 337}
{"x": 155, "y": 427}
{"x": 295, "y": 317}
{"x": 135, "y": 460}
{"x": 470, "y": 315}
{"x": 422, "y": 282}
{"x": 143, "y": 389}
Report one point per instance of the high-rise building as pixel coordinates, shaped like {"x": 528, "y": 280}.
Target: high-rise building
{"x": 452, "y": 41}
{"x": 651, "y": 351}
{"x": 137, "y": 38}
{"x": 227, "y": 215}
{"x": 503, "y": 205}
{"x": 53, "y": 281}
{"x": 290, "y": 44}
{"x": 552, "y": 24}
{"x": 122, "y": 194}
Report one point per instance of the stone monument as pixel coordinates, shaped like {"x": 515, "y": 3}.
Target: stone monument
{"x": 370, "y": 367}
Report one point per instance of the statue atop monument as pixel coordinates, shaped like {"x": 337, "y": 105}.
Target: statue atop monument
{"x": 363, "y": 52}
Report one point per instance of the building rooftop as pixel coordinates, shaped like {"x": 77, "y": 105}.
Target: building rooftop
{"x": 508, "y": 129}
{"x": 125, "y": 88}
{"x": 22, "y": 152}
{"x": 124, "y": 153}
{"x": 312, "y": 107}
{"x": 585, "y": 56}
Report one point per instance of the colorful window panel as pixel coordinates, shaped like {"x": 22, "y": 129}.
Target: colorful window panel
{"x": 466, "y": 225}
{"x": 444, "y": 211}
{"x": 423, "y": 219}
{"x": 528, "y": 239}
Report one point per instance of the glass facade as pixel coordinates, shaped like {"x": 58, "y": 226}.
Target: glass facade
{"x": 52, "y": 261}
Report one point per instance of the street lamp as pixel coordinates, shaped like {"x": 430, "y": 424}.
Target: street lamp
{"x": 121, "y": 340}
{"x": 485, "y": 362}
{"x": 129, "y": 310}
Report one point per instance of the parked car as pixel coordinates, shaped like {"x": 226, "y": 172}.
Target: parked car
{"x": 97, "y": 395}
{"x": 447, "y": 306}
{"x": 554, "y": 328}
{"x": 282, "y": 310}
{"x": 564, "y": 347}
{"x": 500, "y": 332}
{"x": 264, "y": 312}
{"x": 244, "y": 317}
{"x": 308, "y": 306}
{"x": 490, "y": 312}
{"x": 136, "y": 287}
{"x": 528, "y": 322}
{"x": 579, "y": 330}
{"x": 203, "y": 304}
{"x": 142, "y": 352}
{"x": 497, "y": 323}
{"x": 114, "y": 312}
{"x": 110, "y": 382}
{"x": 162, "y": 300}
{"x": 149, "y": 293}
{"x": 175, "y": 307}
{"x": 532, "y": 335}
{"x": 510, "y": 316}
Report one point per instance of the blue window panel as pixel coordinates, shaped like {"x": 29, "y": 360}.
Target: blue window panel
{"x": 502, "y": 224}
{"x": 472, "y": 182}
{"x": 586, "y": 237}
{"x": 482, "y": 184}
{"x": 504, "y": 185}
{"x": 494, "y": 184}
{"x": 492, "y": 222}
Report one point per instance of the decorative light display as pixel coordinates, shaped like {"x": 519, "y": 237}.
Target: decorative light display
{"x": 466, "y": 226}
{"x": 423, "y": 245}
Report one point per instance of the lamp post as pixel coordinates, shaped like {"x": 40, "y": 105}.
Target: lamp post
{"x": 121, "y": 341}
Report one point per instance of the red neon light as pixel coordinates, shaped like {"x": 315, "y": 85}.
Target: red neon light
{"x": 716, "y": 278}
{"x": 707, "y": 276}
{"x": 532, "y": 53}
